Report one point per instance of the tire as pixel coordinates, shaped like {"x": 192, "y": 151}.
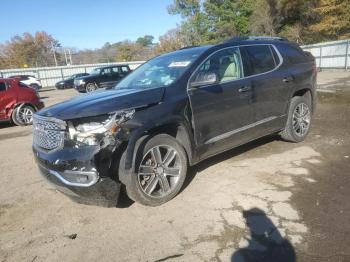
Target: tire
{"x": 299, "y": 119}
{"x": 23, "y": 115}
{"x": 35, "y": 86}
{"x": 153, "y": 185}
{"x": 90, "y": 87}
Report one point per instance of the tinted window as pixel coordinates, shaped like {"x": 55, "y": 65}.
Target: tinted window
{"x": 125, "y": 69}
{"x": 257, "y": 59}
{"x": 293, "y": 54}
{"x": 115, "y": 70}
{"x": 106, "y": 71}
{"x": 275, "y": 55}
{"x": 226, "y": 64}
{"x": 2, "y": 86}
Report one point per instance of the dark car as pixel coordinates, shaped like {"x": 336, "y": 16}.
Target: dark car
{"x": 172, "y": 112}
{"x": 104, "y": 77}
{"x": 18, "y": 102}
{"x": 69, "y": 82}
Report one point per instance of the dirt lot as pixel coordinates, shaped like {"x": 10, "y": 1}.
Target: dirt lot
{"x": 271, "y": 200}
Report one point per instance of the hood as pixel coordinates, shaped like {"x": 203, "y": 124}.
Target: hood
{"x": 103, "y": 102}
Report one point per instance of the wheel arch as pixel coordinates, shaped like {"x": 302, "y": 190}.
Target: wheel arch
{"x": 175, "y": 129}
{"x": 307, "y": 92}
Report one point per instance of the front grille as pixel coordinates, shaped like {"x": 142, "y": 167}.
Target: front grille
{"x": 48, "y": 132}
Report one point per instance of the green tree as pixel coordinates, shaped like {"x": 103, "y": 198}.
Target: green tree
{"x": 146, "y": 40}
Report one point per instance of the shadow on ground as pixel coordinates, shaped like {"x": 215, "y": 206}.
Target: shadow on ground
{"x": 193, "y": 171}
{"x": 265, "y": 242}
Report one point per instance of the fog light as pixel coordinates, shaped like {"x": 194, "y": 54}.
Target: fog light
{"x": 80, "y": 178}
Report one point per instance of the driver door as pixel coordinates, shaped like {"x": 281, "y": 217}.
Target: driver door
{"x": 221, "y": 110}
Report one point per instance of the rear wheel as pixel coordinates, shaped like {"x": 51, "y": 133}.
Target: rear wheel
{"x": 35, "y": 86}
{"x": 23, "y": 115}
{"x": 299, "y": 119}
{"x": 161, "y": 171}
{"x": 91, "y": 87}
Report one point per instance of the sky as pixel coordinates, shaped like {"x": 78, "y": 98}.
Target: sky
{"x": 86, "y": 23}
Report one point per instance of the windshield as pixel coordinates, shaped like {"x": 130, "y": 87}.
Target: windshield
{"x": 161, "y": 71}
{"x": 96, "y": 71}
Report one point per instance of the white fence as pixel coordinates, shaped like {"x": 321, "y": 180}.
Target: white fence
{"x": 50, "y": 75}
{"x": 331, "y": 55}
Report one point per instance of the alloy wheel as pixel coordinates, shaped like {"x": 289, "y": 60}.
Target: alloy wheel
{"x": 25, "y": 115}
{"x": 301, "y": 119}
{"x": 159, "y": 172}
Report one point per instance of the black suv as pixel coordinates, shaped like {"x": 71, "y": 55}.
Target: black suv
{"x": 103, "y": 77}
{"x": 173, "y": 112}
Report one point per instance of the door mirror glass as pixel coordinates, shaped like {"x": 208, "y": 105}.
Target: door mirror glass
{"x": 205, "y": 78}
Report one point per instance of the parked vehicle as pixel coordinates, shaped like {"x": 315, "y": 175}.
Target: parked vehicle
{"x": 104, "y": 77}
{"x": 29, "y": 80}
{"x": 172, "y": 112}
{"x": 69, "y": 82}
{"x": 18, "y": 102}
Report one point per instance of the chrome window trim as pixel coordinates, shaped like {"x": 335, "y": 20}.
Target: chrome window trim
{"x": 244, "y": 77}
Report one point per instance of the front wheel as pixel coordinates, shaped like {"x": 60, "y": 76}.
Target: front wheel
{"x": 91, "y": 87}
{"x": 299, "y": 119}
{"x": 161, "y": 171}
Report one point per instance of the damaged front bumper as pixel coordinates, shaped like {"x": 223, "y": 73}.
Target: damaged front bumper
{"x": 75, "y": 173}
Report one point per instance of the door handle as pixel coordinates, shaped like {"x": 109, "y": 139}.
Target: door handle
{"x": 245, "y": 89}
{"x": 288, "y": 79}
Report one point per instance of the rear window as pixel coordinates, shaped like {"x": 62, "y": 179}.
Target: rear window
{"x": 257, "y": 59}
{"x": 2, "y": 86}
{"x": 293, "y": 54}
{"x": 125, "y": 69}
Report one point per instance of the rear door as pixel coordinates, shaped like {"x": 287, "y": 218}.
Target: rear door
{"x": 270, "y": 94}
{"x": 106, "y": 77}
{"x": 221, "y": 111}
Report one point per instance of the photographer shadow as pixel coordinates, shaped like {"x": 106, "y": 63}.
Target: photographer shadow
{"x": 266, "y": 242}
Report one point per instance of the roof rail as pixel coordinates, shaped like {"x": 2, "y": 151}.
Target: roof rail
{"x": 252, "y": 38}
{"x": 187, "y": 47}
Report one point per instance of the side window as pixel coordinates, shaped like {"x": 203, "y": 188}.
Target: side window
{"x": 257, "y": 59}
{"x": 106, "y": 71}
{"x": 2, "y": 86}
{"x": 275, "y": 55}
{"x": 293, "y": 54}
{"x": 226, "y": 64}
{"x": 115, "y": 70}
{"x": 124, "y": 69}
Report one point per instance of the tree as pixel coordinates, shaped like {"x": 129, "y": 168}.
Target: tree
{"x": 30, "y": 50}
{"x": 333, "y": 20}
{"x": 170, "y": 41}
{"x": 147, "y": 40}
{"x": 228, "y": 18}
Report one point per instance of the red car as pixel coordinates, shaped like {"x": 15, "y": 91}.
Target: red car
{"x": 18, "y": 102}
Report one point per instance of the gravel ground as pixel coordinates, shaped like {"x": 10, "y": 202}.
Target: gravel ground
{"x": 268, "y": 200}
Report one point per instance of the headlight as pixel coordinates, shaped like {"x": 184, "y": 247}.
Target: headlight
{"x": 101, "y": 130}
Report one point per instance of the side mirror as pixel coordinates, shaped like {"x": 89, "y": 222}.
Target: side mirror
{"x": 203, "y": 79}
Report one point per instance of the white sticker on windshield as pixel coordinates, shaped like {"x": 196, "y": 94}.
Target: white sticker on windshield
{"x": 180, "y": 64}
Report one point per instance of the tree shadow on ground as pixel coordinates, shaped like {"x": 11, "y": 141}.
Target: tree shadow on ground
{"x": 265, "y": 243}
